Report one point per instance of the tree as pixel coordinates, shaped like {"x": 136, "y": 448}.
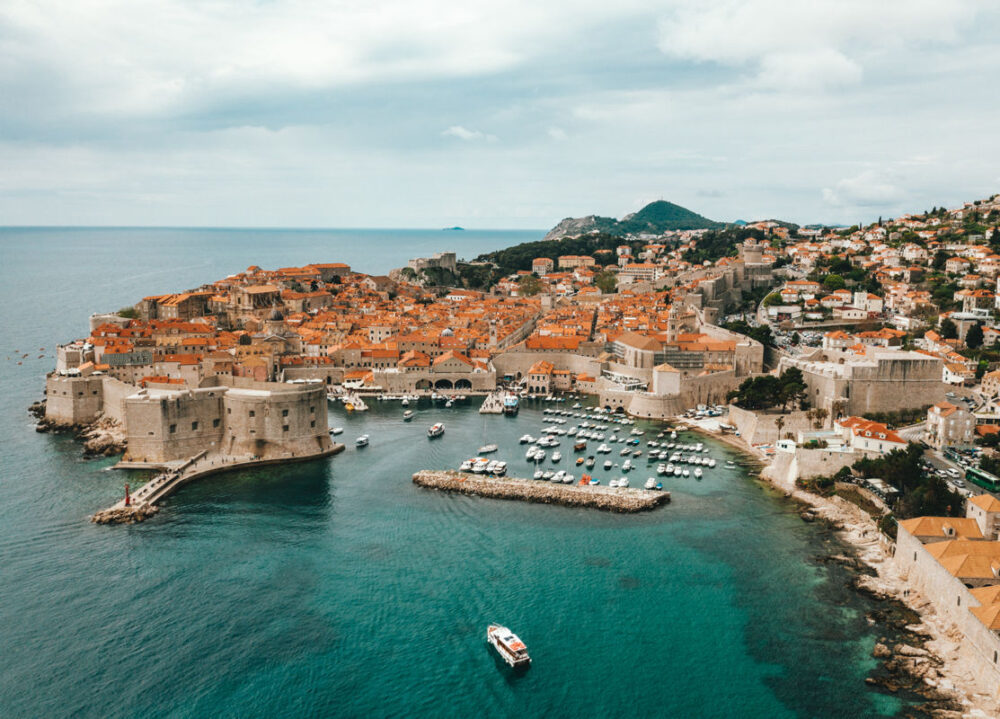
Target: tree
{"x": 529, "y": 286}
{"x": 791, "y": 387}
{"x": 772, "y": 299}
{"x": 780, "y": 424}
{"x": 796, "y": 339}
{"x": 130, "y": 313}
{"x": 821, "y": 413}
{"x": 949, "y": 330}
{"x": 833, "y": 282}
{"x": 940, "y": 257}
{"x": 606, "y": 282}
{"x": 974, "y": 337}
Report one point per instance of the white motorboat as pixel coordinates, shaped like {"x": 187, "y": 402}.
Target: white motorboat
{"x": 406, "y": 402}
{"x": 480, "y": 465}
{"x": 711, "y": 463}
{"x": 527, "y": 439}
{"x": 650, "y": 483}
{"x": 337, "y": 430}
{"x": 500, "y": 469}
{"x": 661, "y": 469}
{"x": 558, "y": 476}
{"x": 686, "y": 472}
{"x": 488, "y": 448}
{"x": 697, "y": 472}
{"x": 623, "y": 482}
{"x": 607, "y": 464}
{"x": 408, "y": 415}
{"x": 538, "y": 474}
{"x": 466, "y": 466}
{"x": 613, "y": 483}
{"x": 507, "y": 644}
{"x": 557, "y": 456}
{"x": 678, "y": 471}
{"x": 548, "y": 474}
{"x": 435, "y": 430}
{"x": 361, "y": 441}
{"x": 627, "y": 465}
{"x": 730, "y": 463}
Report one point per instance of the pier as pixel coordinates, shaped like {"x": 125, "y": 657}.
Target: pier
{"x": 611, "y": 499}
{"x": 142, "y": 503}
{"x": 493, "y": 404}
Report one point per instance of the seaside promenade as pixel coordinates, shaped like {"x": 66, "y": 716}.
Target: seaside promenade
{"x": 141, "y": 504}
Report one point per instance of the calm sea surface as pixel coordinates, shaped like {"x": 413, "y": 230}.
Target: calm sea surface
{"x": 337, "y": 588}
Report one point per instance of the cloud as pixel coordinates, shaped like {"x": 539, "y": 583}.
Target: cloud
{"x": 468, "y": 135}
{"x": 871, "y": 188}
{"x": 806, "y": 45}
{"x": 557, "y": 134}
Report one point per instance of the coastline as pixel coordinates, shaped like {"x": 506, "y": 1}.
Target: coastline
{"x": 931, "y": 656}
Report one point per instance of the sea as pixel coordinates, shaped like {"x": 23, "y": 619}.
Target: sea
{"x": 337, "y": 588}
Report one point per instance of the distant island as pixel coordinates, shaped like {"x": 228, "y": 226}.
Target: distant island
{"x": 452, "y": 229}
{"x": 655, "y": 218}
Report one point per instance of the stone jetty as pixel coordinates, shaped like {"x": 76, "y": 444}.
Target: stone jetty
{"x": 611, "y": 499}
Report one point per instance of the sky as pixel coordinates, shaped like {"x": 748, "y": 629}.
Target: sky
{"x": 492, "y": 114}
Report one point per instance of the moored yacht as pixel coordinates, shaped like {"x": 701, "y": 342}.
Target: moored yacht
{"x": 487, "y": 448}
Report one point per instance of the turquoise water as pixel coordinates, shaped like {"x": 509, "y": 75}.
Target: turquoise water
{"x": 338, "y": 588}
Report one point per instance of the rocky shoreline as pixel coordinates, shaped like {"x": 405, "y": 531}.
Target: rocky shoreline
{"x": 918, "y": 652}
{"x": 104, "y": 437}
{"x": 124, "y": 515}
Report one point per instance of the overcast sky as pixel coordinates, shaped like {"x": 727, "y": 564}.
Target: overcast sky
{"x": 426, "y": 113}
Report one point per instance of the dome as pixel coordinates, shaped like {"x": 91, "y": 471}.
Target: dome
{"x": 448, "y": 333}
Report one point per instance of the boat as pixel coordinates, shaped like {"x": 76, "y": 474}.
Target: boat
{"x": 730, "y": 463}
{"x": 538, "y": 474}
{"x": 507, "y": 644}
{"x": 594, "y": 482}
{"x": 607, "y": 464}
{"x": 623, "y": 482}
{"x": 686, "y": 472}
{"x": 613, "y": 483}
{"x": 526, "y": 438}
{"x": 510, "y": 405}
{"x": 436, "y": 430}
{"x": 678, "y": 471}
{"x": 408, "y": 415}
{"x": 548, "y": 474}
{"x": 349, "y": 407}
{"x": 557, "y": 456}
{"x": 579, "y": 461}
{"x": 591, "y": 461}
{"x": 711, "y": 463}
{"x": 627, "y": 465}
{"x": 580, "y": 446}
{"x": 650, "y": 483}
{"x": 361, "y": 441}
{"x": 466, "y": 466}
{"x": 659, "y": 485}
{"x": 337, "y": 430}
{"x": 697, "y": 472}
{"x": 480, "y": 465}
{"x": 406, "y": 402}
{"x": 449, "y": 403}
{"x": 488, "y": 448}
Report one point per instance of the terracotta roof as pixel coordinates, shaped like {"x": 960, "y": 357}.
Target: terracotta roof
{"x": 963, "y": 527}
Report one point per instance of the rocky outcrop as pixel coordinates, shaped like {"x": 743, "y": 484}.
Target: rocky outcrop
{"x": 124, "y": 515}
{"x": 576, "y": 226}
{"x": 104, "y": 437}
{"x": 526, "y": 490}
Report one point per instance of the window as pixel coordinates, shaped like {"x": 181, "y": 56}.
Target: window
{"x": 914, "y": 556}
{"x": 173, "y": 428}
{"x": 959, "y": 601}
{"x": 284, "y": 413}
{"x": 284, "y": 428}
{"x": 313, "y": 423}
{"x": 215, "y": 422}
{"x": 252, "y": 413}
{"x": 312, "y": 408}
{"x": 229, "y": 410}
{"x": 194, "y": 425}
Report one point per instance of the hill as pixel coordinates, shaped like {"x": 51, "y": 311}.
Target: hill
{"x": 655, "y": 218}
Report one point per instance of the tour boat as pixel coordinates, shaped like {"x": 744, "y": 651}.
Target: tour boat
{"x": 488, "y": 448}
{"x": 507, "y": 644}
{"x": 408, "y": 415}
{"x": 361, "y": 441}
{"x": 435, "y": 430}
{"x": 336, "y": 430}
{"x": 510, "y": 405}
{"x": 480, "y": 465}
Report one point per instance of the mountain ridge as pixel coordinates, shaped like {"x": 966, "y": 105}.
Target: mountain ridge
{"x": 655, "y": 218}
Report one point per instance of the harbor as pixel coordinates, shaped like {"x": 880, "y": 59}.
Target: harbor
{"x": 575, "y": 495}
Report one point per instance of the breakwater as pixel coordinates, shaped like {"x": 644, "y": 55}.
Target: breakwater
{"x": 610, "y": 499}
{"x": 142, "y": 504}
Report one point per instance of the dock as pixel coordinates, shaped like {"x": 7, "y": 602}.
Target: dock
{"x": 493, "y": 404}
{"x": 142, "y": 503}
{"x": 611, "y": 499}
